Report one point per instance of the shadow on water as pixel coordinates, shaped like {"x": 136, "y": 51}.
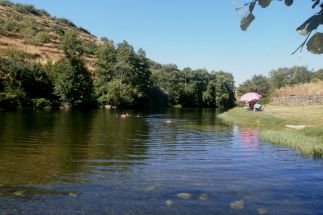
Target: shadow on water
{"x": 41, "y": 147}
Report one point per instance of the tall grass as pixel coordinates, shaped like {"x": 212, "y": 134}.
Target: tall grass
{"x": 311, "y": 146}
{"x": 315, "y": 88}
{"x": 272, "y": 126}
{"x": 253, "y": 119}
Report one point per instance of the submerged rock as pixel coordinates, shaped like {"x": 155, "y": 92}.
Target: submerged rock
{"x": 203, "y": 196}
{"x": 72, "y": 194}
{"x": 237, "y": 204}
{"x": 148, "y": 189}
{"x": 184, "y": 195}
{"x": 19, "y": 193}
{"x": 168, "y": 203}
{"x": 262, "y": 210}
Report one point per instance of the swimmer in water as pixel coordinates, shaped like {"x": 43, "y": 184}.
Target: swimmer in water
{"x": 124, "y": 115}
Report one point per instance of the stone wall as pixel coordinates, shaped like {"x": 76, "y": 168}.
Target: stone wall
{"x": 298, "y": 100}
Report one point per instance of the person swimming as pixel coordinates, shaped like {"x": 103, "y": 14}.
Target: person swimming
{"x": 124, "y": 115}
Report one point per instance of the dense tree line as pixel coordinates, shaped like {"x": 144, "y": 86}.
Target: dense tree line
{"x": 122, "y": 77}
{"x": 279, "y": 78}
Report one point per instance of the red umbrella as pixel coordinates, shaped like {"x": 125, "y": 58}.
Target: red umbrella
{"x": 248, "y": 97}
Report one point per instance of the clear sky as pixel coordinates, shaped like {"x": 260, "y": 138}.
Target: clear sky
{"x": 197, "y": 33}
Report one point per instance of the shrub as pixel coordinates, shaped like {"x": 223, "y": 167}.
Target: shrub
{"x": 84, "y": 30}
{"x": 27, "y": 8}
{"x": 13, "y": 26}
{"x": 58, "y": 29}
{"x": 40, "y": 38}
{"x": 66, "y": 21}
{"x": 41, "y": 103}
{"x": 89, "y": 47}
{"x": 44, "y": 13}
{"x": 5, "y": 3}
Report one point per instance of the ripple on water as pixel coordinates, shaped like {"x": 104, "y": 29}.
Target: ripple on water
{"x": 93, "y": 163}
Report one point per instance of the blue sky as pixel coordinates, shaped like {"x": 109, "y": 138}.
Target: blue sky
{"x": 197, "y": 34}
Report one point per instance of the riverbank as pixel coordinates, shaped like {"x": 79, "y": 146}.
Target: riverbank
{"x": 300, "y": 128}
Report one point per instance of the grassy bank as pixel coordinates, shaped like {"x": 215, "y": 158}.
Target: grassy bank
{"x": 300, "y": 128}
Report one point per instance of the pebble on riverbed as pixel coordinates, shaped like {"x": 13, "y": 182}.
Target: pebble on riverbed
{"x": 262, "y": 211}
{"x": 184, "y": 195}
{"x": 204, "y": 197}
{"x": 72, "y": 194}
{"x": 19, "y": 193}
{"x": 237, "y": 204}
{"x": 168, "y": 203}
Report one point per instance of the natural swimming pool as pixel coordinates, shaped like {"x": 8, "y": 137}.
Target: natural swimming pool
{"x": 170, "y": 162}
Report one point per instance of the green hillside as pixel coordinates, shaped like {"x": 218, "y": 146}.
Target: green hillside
{"x": 48, "y": 62}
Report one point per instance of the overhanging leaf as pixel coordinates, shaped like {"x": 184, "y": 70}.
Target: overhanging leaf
{"x": 315, "y": 43}
{"x": 309, "y": 25}
{"x": 264, "y": 3}
{"x": 246, "y": 21}
{"x": 315, "y": 3}
{"x": 288, "y": 2}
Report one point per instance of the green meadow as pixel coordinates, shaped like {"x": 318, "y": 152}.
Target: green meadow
{"x": 300, "y": 128}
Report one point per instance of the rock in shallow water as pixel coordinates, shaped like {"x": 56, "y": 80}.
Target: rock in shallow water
{"x": 237, "y": 204}
{"x": 203, "y": 196}
{"x": 184, "y": 195}
{"x": 168, "y": 203}
{"x": 262, "y": 210}
{"x": 19, "y": 193}
{"x": 72, "y": 194}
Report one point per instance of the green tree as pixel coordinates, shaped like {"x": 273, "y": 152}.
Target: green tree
{"x": 167, "y": 79}
{"x": 209, "y": 95}
{"x": 318, "y": 74}
{"x": 72, "y": 84}
{"x": 220, "y": 90}
{"x": 289, "y": 76}
{"x": 225, "y": 97}
{"x": 192, "y": 84}
{"x": 72, "y": 45}
{"x": 141, "y": 79}
{"x": 21, "y": 80}
{"x": 104, "y": 70}
{"x": 119, "y": 94}
{"x": 258, "y": 83}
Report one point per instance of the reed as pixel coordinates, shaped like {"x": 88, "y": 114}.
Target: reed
{"x": 309, "y": 146}
{"x": 315, "y": 88}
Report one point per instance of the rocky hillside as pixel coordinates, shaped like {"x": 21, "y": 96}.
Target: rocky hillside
{"x": 38, "y": 33}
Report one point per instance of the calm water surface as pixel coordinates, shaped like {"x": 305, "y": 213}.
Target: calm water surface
{"x": 96, "y": 163}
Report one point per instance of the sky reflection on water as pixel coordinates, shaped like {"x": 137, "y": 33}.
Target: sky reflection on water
{"x": 96, "y": 163}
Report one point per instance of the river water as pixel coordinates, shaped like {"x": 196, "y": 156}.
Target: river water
{"x": 170, "y": 162}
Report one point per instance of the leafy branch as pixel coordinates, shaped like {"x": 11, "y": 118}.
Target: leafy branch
{"x": 314, "y": 44}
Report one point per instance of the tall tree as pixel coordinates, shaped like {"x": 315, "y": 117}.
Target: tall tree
{"x": 258, "y": 83}
{"x": 289, "y": 76}
{"x": 104, "y": 70}
{"x": 167, "y": 79}
{"x": 220, "y": 90}
{"x": 141, "y": 80}
{"x": 73, "y": 84}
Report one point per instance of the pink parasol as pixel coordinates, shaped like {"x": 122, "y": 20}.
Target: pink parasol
{"x": 248, "y": 97}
